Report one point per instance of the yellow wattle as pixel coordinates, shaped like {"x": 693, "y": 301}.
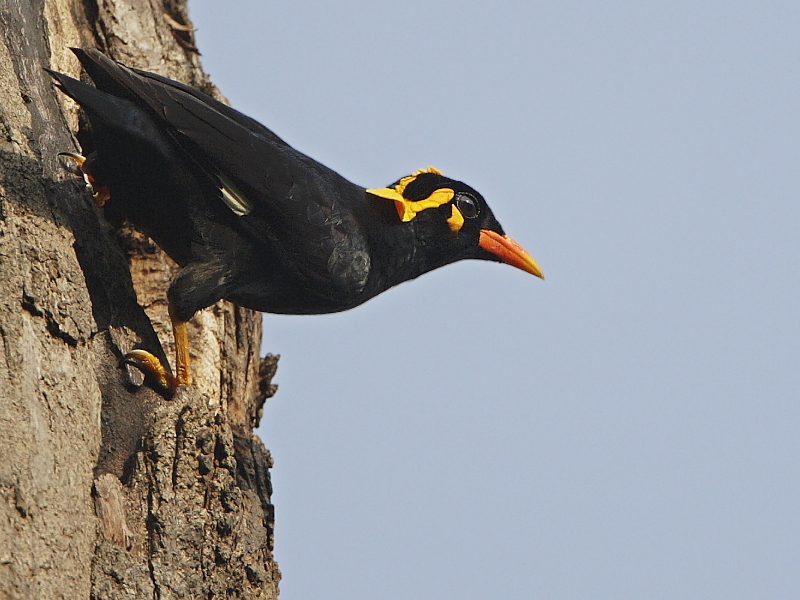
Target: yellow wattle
{"x": 456, "y": 220}
{"x": 408, "y": 209}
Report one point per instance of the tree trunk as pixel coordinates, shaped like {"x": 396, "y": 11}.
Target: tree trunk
{"x": 106, "y": 489}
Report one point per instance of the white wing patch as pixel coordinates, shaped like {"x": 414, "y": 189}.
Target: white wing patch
{"x": 233, "y": 198}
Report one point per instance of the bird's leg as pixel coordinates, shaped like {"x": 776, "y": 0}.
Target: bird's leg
{"x": 155, "y": 371}
{"x": 182, "y": 358}
{"x": 199, "y": 284}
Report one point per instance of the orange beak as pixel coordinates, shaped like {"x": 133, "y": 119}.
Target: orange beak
{"x": 509, "y": 251}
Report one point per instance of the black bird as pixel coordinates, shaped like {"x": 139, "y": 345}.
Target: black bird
{"x": 252, "y": 220}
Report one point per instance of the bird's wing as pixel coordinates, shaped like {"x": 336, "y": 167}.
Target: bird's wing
{"x": 300, "y": 208}
{"x": 218, "y": 106}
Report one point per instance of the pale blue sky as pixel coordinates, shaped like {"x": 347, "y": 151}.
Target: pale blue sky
{"x": 628, "y": 428}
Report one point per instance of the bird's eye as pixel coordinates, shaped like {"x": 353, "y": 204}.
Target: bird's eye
{"x": 467, "y": 205}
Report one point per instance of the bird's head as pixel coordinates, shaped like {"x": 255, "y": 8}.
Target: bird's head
{"x": 454, "y": 219}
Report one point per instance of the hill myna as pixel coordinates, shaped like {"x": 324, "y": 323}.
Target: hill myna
{"x": 252, "y": 220}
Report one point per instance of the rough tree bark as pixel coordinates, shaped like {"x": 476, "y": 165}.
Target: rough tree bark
{"x": 106, "y": 489}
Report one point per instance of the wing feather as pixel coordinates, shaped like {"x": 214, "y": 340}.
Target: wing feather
{"x": 303, "y": 210}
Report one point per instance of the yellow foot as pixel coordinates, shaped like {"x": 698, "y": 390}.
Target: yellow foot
{"x": 78, "y": 158}
{"x": 154, "y": 372}
{"x": 101, "y": 194}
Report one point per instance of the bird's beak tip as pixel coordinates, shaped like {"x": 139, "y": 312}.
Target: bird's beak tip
{"x": 509, "y": 251}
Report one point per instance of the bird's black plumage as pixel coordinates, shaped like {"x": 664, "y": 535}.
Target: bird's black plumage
{"x": 249, "y": 218}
